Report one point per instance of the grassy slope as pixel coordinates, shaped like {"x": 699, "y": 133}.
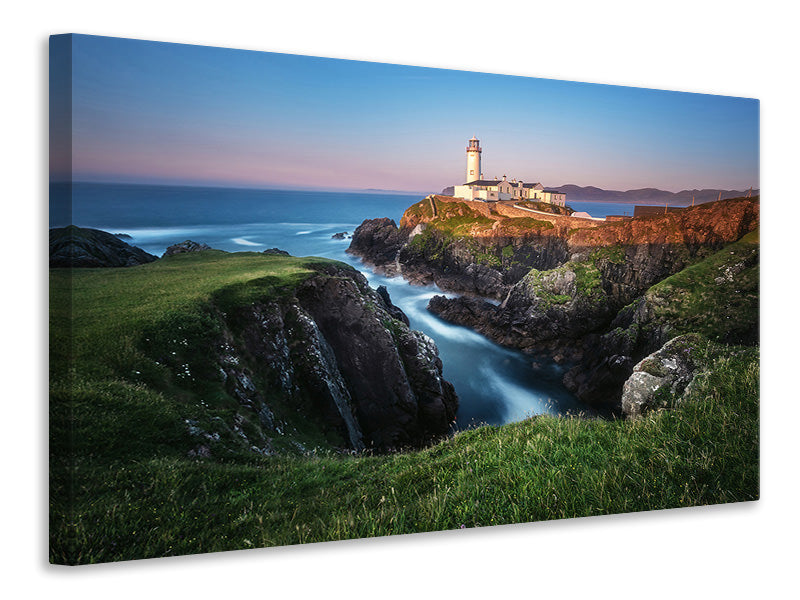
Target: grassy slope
{"x": 543, "y": 468}
{"x": 110, "y": 307}
{"x": 108, "y": 400}
{"x": 138, "y": 495}
{"x": 701, "y": 299}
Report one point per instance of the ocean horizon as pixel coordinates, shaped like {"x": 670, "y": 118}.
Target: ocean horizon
{"x": 99, "y": 204}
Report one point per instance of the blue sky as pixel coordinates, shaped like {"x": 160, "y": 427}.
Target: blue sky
{"x": 172, "y": 113}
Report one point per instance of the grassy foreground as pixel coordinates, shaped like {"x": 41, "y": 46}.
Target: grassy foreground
{"x": 130, "y": 491}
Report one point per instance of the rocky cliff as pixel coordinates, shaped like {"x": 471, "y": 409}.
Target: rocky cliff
{"x": 329, "y": 353}
{"x": 717, "y": 297}
{"x": 562, "y": 288}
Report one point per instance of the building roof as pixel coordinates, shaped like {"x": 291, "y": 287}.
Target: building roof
{"x": 485, "y": 182}
{"x": 530, "y": 185}
{"x": 552, "y": 191}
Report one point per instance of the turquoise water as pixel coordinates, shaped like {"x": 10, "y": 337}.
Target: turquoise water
{"x": 495, "y": 385}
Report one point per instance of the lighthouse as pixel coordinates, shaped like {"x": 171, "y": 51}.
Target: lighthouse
{"x": 473, "y": 160}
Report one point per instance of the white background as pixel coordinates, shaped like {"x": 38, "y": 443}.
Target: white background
{"x": 732, "y": 48}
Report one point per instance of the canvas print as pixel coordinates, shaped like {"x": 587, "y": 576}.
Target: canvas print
{"x": 298, "y": 299}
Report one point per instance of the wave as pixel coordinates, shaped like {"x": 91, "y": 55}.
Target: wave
{"x": 244, "y": 242}
{"x": 162, "y": 232}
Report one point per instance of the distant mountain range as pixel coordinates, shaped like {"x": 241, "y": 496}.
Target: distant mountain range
{"x": 590, "y": 193}
{"x": 646, "y": 195}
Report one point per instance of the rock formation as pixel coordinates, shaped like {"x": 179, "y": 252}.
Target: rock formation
{"x": 333, "y": 350}
{"x": 79, "y": 247}
{"x": 564, "y": 287}
{"x": 662, "y": 377}
{"x": 185, "y": 246}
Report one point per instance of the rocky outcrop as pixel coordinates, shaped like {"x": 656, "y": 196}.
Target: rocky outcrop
{"x": 393, "y": 373}
{"x": 486, "y": 266}
{"x": 377, "y": 242}
{"x": 574, "y": 292}
{"x": 393, "y": 310}
{"x": 275, "y": 252}
{"x": 717, "y": 297}
{"x": 185, "y": 246}
{"x": 79, "y": 247}
{"x": 330, "y": 351}
{"x": 473, "y": 248}
{"x": 661, "y": 378}
{"x": 483, "y": 266}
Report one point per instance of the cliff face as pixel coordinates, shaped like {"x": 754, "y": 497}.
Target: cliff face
{"x": 330, "y": 351}
{"x": 717, "y": 297}
{"x": 477, "y": 249}
{"x": 561, "y": 288}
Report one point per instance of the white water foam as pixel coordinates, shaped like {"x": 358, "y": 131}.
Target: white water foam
{"x": 520, "y": 403}
{"x": 244, "y": 242}
{"x": 144, "y": 234}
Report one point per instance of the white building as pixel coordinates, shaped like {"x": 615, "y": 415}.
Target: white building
{"x": 492, "y": 190}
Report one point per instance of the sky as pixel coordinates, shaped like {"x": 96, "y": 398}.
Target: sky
{"x": 150, "y": 112}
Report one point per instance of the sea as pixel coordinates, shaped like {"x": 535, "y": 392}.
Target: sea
{"x": 495, "y": 385}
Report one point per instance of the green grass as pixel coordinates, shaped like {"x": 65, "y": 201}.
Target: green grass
{"x": 614, "y": 254}
{"x": 545, "y": 468}
{"x": 420, "y": 209}
{"x": 130, "y": 490}
{"x": 717, "y": 297}
{"x": 111, "y": 307}
{"x": 588, "y": 284}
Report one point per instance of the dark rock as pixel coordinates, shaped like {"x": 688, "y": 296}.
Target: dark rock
{"x": 398, "y": 403}
{"x": 483, "y": 266}
{"x": 275, "y": 251}
{"x": 80, "y": 247}
{"x": 339, "y": 236}
{"x": 464, "y": 310}
{"x": 378, "y": 242}
{"x": 336, "y": 351}
{"x": 185, "y": 246}
{"x": 393, "y": 310}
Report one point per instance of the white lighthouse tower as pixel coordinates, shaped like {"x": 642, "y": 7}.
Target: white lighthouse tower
{"x": 473, "y": 160}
